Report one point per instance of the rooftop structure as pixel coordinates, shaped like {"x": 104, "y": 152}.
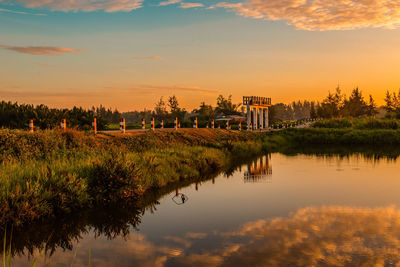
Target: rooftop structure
{"x": 257, "y": 112}
{"x": 256, "y": 101}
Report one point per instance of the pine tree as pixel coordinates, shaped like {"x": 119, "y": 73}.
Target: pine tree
{"x": 389, "y": 102}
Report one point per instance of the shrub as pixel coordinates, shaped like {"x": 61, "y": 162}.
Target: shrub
{"x": 334, "y": 123}
{"x": 113, "y": 179}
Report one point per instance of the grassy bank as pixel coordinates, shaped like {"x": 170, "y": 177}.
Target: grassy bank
{"x": 325, "y": 136}
{"x": 48, "y": 173}
{"x": 359, "y": 124}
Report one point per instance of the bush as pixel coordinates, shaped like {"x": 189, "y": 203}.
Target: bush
{"x": 334, "y": 123}
{"x": 113, "y": 179}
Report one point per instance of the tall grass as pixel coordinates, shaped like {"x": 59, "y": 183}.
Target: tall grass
{"x": 50, "y": 172}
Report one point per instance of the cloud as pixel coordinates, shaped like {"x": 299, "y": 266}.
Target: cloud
{"x": 318, "y": 15}
{"x": 169, "y": 2}
{"x": 20, "y": 12}
{"x": 80, "y": 95}
{"x": 191, "y": 5}
{"x": 148, "y": 58}
{"x": 195, "y": 235}
{"x": 41, "y": 50}
{"x": 84, "y": 5}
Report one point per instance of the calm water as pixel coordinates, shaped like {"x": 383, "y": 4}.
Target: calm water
{"x": 279, "y": 210}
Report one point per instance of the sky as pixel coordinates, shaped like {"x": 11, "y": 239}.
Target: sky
{"x": 126, "y": 54}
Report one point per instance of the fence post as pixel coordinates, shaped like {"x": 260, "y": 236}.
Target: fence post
{"x": 122, "y": 125}
{"x": 123, "y": 120}
{"x": 31, "y": 126}
{"x": 162, "y": 124}
{"x": 240, "y": 126}
{"x": 176, "y": 123}
{"x": 94, "y": 124}
{"x": 63, "y": 125}
{"x": 143, "y": 124}
{"x": 227, "y": 125}
{"x": 195, "y": 123}
{"x": 153, "y": 124}
{"x": 213, "y": 124}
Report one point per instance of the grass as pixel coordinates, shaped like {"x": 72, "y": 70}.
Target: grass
{"x": 49, "y": 173}
{"x": 327, "y": 136}
{"x": 359, "y": 123}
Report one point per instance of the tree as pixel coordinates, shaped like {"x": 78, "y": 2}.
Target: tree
{"x": 225, "y": 106}
{"x": 396, "y": 101}
{"x": 173, "y": 104}
{"x": 371, "y": 108}
{"x": 176, "y": 111}
{"x": 331, "y": 105}
{"x": 355, "y": 106}
{"x": 389, "y": 106}
{"x": 160, "y": 109}
{"x": 17, "y": 116}
{"x": 313, "y": 111}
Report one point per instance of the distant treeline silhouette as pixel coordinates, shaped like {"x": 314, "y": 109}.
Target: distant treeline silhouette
{"x": 17, "y": 116}
{"x": 338, "y": 105}
{"x": 335, "y": 105}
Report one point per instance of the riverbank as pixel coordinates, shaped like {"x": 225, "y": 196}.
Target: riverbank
{"x": 49, "y": 173}
{"x": 326, "y": 136}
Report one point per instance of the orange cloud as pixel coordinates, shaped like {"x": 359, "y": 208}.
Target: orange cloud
{"x": 84, "y": 5}
{"x": 191, "y": 5}
{"x": 169, "y": 2}
{"x": 329, "y": 236}
{"x": 41, "y": 50}
{"x": 322, "y": 15}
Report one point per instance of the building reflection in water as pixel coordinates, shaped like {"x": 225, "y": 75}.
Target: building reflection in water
{"x": 259, "y": 170}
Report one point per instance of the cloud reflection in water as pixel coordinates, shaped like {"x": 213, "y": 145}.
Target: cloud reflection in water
{"x": 339, "y": 236}
{"x": 324, "y": 236}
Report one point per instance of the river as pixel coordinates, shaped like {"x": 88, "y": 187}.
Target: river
{"x": 277, "y": 210}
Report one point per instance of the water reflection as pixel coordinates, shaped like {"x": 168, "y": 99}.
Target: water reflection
{"x": 311, "y": 215}
{"x": 325, "y": 236}
{"x": 312, "y": 236}
{"x": 179, "y": 198}
{"x": 259, "y": 170}
{"x": 66, "y": 233}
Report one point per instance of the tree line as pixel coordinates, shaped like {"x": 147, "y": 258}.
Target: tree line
{"x": 334, "y": 105}
{"x": 17, "y": 116}
{"x": 338, "y": 105}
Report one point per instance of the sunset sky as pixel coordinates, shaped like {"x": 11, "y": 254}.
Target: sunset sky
{"x": 125, "y": 54}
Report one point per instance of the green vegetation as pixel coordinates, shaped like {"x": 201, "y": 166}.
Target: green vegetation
{"x": 392, "y": 105}
{"x": 324, "y": 136}
{"x": 17, "y": 116}
{"x": 359, "y": 123}
{"x": 47, "y": 173}
{"x": 337, "y": 104}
